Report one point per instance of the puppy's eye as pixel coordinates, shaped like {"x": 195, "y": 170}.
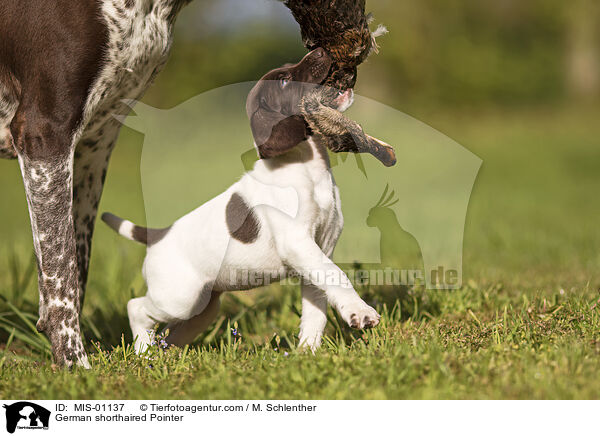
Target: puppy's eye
{"x": 284, "y": 81}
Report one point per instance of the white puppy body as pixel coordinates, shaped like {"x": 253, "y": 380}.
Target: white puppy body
{"x": 292, "y": 224}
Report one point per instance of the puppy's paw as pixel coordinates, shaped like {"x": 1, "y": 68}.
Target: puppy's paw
{"x": 309, "y": 342}
{"x": 360, "y": 315}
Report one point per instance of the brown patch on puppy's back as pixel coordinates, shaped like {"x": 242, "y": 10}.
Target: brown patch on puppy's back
{"x": 241, "y": 221}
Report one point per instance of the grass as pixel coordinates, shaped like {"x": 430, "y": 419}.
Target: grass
{"x": 525, "y": 323}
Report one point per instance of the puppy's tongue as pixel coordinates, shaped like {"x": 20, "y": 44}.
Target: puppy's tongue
{"x": 340, "y": 99}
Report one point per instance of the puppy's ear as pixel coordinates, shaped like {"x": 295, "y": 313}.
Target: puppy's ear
{"x": 275, "y": 133}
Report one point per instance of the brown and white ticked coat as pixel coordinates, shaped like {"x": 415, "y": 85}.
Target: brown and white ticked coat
{"x": 65, "y": 67}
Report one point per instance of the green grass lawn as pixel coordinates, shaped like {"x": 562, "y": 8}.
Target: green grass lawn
{"x": 525, "y": 324}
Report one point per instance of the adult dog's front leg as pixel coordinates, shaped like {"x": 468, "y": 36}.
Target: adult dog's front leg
{"x": 315, "y": 268}
{"x": 46, "y": 159}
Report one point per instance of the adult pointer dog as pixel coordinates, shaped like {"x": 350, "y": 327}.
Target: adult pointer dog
{"x": 65, "y": 66}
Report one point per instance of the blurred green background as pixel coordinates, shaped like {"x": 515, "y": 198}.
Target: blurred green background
{"x": 466, "y": 53}
{"x": 517, "y": 83}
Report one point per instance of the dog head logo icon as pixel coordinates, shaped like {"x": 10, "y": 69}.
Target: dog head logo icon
{"x": 26, "y": 415}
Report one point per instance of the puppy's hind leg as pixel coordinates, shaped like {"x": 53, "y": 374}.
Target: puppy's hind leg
{"x": 142, "y": 324}
{"x": 184, "y": 332}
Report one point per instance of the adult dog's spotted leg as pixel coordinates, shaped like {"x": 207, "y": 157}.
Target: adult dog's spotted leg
{"x": 8, "y": 106}
{"x": 45, "y": 153}
{"x": 91, "y": 162}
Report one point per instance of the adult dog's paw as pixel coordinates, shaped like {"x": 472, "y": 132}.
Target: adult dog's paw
{"x": 360, "y": 315}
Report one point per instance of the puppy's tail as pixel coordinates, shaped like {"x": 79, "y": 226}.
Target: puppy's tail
{"x": 127, "y": 228}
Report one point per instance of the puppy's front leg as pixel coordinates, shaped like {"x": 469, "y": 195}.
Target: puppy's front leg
{"x": 316, "y": 269}
{"x": 314, "y": 317}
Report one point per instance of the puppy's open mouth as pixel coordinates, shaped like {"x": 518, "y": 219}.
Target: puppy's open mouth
{"x": 344, "y": 99}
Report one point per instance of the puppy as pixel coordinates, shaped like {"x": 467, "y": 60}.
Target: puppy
{"x": 283, "y": 217}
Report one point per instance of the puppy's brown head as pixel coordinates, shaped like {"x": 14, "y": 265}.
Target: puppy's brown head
{"x": 273, "y": 105}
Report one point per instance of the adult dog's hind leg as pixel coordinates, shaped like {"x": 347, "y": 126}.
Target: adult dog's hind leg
{"x": 91, "y": 162}
{"x": 45, "y": 156}
{"x": 6, "y": 149}
{"x": 8, "y": 106}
